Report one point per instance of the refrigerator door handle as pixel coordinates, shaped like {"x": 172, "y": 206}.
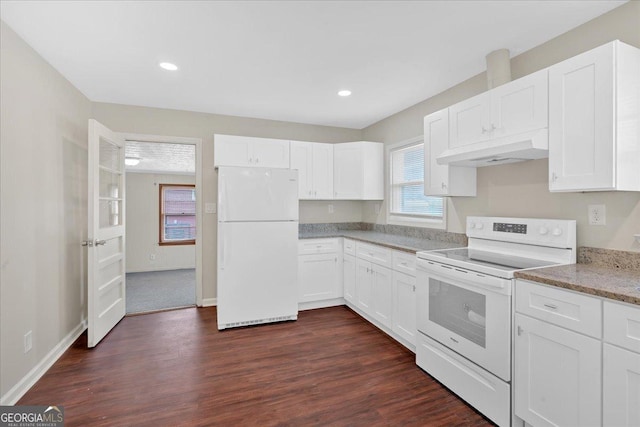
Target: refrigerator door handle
{"x": 223, "y": 251}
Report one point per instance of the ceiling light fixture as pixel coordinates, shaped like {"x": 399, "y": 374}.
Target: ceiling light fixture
{"x": 131, "y": 161}
{"x": 344, "y": 92}
{"x": 168, "y": 66}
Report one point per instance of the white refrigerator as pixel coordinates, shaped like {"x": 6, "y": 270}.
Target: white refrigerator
{"x": 257, "y": 246}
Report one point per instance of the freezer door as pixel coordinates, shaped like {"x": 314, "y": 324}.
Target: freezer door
{"x": 257, "y": 194}
{"x": 257, "y": 272}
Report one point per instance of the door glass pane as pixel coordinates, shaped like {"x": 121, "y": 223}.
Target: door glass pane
{"x": 459, "y": 310}
{"x": 110, "y": 155}
{"x": 110, "y": 213}
{"x": 109, "y": 184}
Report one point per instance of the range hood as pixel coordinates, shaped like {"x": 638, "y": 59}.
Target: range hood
{"x": 499, "y": 151}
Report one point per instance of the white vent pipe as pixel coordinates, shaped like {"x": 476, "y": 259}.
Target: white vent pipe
{"x": 498, "y": 68}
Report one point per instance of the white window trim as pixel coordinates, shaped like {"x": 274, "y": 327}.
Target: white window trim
{"x": 409, "y": 220}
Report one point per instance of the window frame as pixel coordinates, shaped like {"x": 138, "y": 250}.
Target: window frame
{"x": 161, "y": 215}
{"x": 412, "y": 220}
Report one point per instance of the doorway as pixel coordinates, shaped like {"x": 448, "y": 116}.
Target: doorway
{"x": 164, "y": 222}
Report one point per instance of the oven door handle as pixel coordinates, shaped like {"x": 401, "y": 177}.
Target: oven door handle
{"x": 471, "y": 278}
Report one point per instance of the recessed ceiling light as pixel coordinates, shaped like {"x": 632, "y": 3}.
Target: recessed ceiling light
{"x": 131, "y": 161}
{"x": 344, "y": 92}
{"x": 168, "y": 66}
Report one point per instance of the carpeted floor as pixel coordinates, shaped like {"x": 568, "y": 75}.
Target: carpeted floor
{"x": 157, "y": 290}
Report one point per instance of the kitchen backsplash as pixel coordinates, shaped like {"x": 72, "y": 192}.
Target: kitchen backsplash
{"x": 623, "y": 260}
{"x": 421, "y": 233}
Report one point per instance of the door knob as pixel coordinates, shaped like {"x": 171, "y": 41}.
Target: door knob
{"x": 100, "y": 242}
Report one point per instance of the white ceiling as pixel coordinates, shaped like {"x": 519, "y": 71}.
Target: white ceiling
{"x": 284, "y": 60}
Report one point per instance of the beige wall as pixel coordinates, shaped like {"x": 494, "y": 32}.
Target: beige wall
{"x": 43, "y": 193}
{"x": 142, "y": 224}
{"x": 521, "y": 189}
{"x": 155, "y": 121}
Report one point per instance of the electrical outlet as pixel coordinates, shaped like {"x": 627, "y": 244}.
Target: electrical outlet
{"x": 331, "y": 209}
{"x": 152, "y": 257}
{"x": 210, "y": 208}
{"x": 28, "y": 342}
{"x": 597, "y": 214}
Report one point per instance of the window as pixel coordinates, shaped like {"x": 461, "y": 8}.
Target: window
{"x": 177, "y": 214}
{"x": 408, "y": 204}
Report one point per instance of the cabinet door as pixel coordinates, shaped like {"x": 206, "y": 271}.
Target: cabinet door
{"x": 347, "y": 171}
{"x": 302, "y": 160}
{"x": 382, "y": 295}
{"x": 318, "y": 277}
{"x": 269, "y": 153}
{"x": 349, "y": 278}
{"x": 404, "y": 306}
{"x": 557, "y": 375}
{"x": 469, "y": 121}
{"x": 436, "y": 140}
{"x": 520, "y": 106}
{"x": 322, "y": 171}
{"x": 231, "y": 150}
{"x": 363, "y": 285}
{"x": 581, "y": 114}
{"x": 621, "y": 387}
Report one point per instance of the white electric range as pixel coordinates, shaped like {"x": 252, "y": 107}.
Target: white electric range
{"x": 464, "y": 304}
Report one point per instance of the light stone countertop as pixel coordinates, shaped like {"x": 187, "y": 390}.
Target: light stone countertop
{"x": 393, "y": 241}
{"x": 605, "y": 281}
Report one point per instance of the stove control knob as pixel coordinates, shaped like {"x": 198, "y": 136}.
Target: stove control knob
{"x": 479, "y": 226}
{"x": 557, "y": 231}
{"x": 543, "y": 230}
{"x": 472, "y": 225}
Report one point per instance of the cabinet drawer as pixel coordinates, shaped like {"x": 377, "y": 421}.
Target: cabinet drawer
{"x": 622, "y": 325}
{"x": 349, "y": 247}
{"x": 567, "y": 309}
{"x": 404, "y": 262}
{"x": 376, "y": 254}
{"x": 318, "y": 246}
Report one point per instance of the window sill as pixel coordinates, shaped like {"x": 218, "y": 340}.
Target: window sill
{"x": 181, "y": 243}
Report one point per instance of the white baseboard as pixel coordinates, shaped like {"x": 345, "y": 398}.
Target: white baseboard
{"x": 209, "y": 302}
{"x": 18, "y": 390}
{"x": 311, "y": 305}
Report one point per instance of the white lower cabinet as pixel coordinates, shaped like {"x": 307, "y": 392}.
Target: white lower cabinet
{"x": 319, "y": 277}
{"x": 557, "y": 375}
{"x": 364, "y": 283}
{"x": 621, "y": 365}
{"x": 382, "y": 294}
{"x": 374, "y": 295}
{"x": 349, "y": 278}
{"x": 320, "y": 272}
{"x": 404, "y": 306}
{"x": 379, "y": 283}
{"x": 621, "y": 387}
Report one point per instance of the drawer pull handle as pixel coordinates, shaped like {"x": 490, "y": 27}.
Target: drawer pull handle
{"x": 551, "y": 306}
{"x": 454, "y": 340}
{"x": 403, "y": 263}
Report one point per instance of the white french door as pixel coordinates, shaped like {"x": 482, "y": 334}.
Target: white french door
{"x": 106, "y": 232}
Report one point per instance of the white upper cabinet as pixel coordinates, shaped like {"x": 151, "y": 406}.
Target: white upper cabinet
{"x": 470, "y": 121}
{"x": 594, "y": 120}
{"x": 314, "y": 162}
{"x": 232, "y": 150}
{"x": 514, "y": 108}
{"x": 358, "y": 171}
{"x": 443, "y": 180}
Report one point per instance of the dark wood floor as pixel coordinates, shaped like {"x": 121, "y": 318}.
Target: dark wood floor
{"x": 175, "y": 368}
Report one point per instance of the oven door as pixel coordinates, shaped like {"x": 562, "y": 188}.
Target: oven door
{"x": 468, "y": 312}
